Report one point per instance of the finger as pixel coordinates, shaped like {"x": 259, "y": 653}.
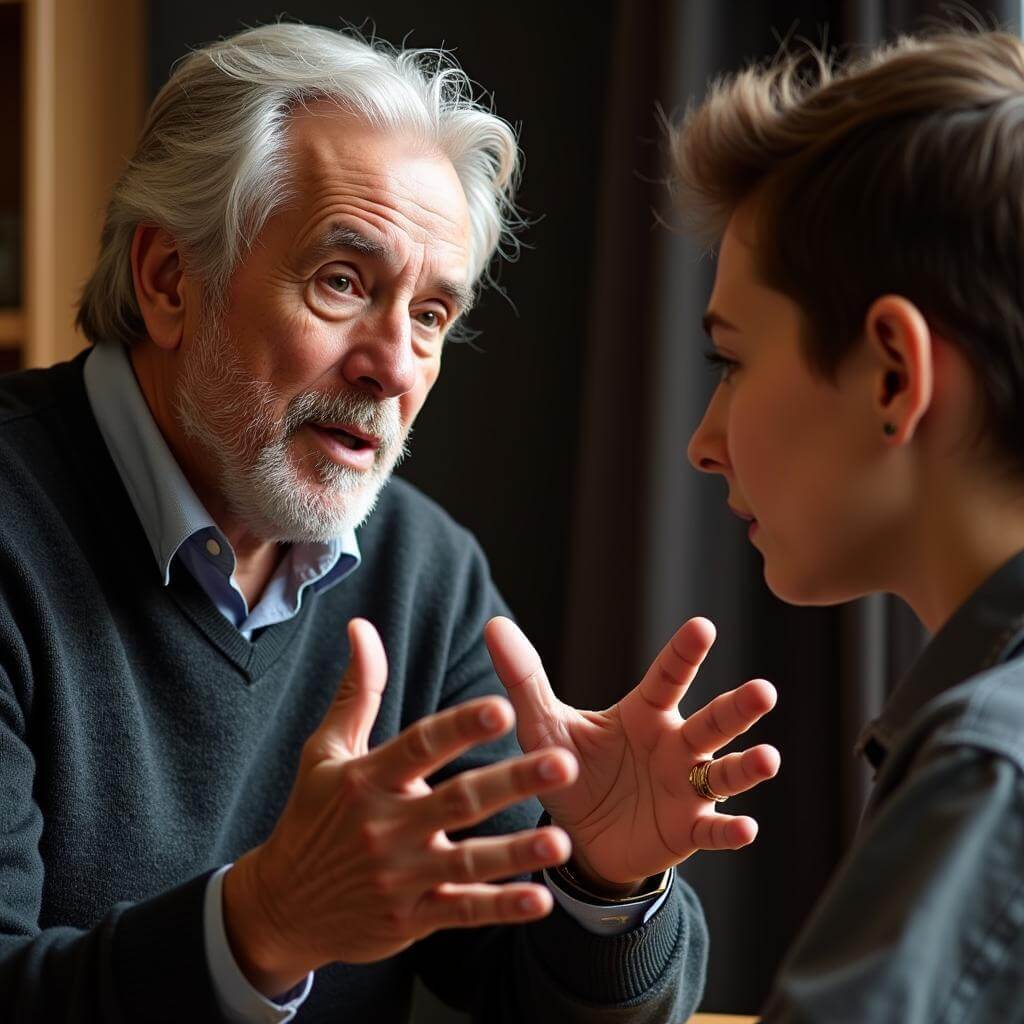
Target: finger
{"x": 345, "y": 728}
{"x": 671, "y": 673}
{"x": 484, "y": 860}
{"x": 432, "y": 742}
{"x": 477, "y": 794}
{"x": 723, "y": 832}
{"x": 728, "y": 716}
{"x": 519, "y": 668}
{"x": 469, "y": 906}
{"x": 736, "y": 773}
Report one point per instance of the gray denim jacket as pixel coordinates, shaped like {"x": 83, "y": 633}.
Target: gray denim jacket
{"x": 924, "y": 919}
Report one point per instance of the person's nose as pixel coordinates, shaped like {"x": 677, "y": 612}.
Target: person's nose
{"x": 380, "y": 358}
{"x": 708, "y": 450}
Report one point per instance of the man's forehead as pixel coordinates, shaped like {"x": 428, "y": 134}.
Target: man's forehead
{"x": 338, "y": 158}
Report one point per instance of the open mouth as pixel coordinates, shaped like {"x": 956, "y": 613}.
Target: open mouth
{"x": 357, "y": 444}
{"x": 346, "y": 445}
{"x": 348, "y": 437}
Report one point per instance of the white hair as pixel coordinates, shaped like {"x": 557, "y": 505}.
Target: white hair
{"x": 211, "y": 165}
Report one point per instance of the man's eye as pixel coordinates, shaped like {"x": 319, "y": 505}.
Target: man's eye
{"x": 340, "y": 283}
{"x": 428, "y": 318}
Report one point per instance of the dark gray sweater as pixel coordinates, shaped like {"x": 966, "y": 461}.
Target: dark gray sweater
{"x": 144, "y": 742}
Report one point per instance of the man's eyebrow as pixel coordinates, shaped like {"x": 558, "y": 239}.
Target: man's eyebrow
{"x": 711, "y": 319}
{"x": 345, "y": 238}
{"x": 340, "y": 238}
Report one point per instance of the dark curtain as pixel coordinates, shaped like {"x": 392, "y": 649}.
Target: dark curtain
{"x": 653, "y": 543}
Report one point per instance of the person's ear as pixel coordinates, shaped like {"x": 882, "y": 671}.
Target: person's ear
{"x": 900, "y": 341}
{"x": 159, "y": 280}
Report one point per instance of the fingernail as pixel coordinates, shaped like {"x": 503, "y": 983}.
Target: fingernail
{"x": 550, "y": 768}
{"x": 529, "y": 904}
{"x": 489, "y": 718}
{"x": 543, "y": 847}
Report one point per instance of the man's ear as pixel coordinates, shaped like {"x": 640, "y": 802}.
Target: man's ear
{"x": 900, "y": 341}
{"x": 159, "y": 284}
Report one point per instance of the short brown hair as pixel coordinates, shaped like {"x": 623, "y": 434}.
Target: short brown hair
{"x": 899, "y": 172}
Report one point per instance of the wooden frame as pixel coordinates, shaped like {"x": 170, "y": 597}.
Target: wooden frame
{"x": 84, "y": 103}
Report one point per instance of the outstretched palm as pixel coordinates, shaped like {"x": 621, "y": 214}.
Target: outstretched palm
{"x": 632, "y": 811}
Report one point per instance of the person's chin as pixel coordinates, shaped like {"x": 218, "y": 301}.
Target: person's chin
{"x": 805, "y": 588}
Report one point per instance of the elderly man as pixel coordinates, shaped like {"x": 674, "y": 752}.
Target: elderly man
{"x": 196, "y": 818}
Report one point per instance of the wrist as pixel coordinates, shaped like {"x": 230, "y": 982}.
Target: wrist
{"x": 254, "y": 932}
{"x": 590, "y": 882}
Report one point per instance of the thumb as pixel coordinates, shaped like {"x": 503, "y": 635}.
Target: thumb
{"x": 520, "y": 669}
{"x": 345, "y": 729}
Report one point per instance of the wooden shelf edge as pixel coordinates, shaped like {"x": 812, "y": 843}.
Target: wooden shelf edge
{"x": 12, "y": 328}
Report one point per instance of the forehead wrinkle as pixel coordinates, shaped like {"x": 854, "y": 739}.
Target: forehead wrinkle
{"x": 364, "y": 174}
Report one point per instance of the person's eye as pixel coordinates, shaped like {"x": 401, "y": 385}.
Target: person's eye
{"x": 429, "y": 318}
{"x": 722, "y": 365}
{"x": 340, "y": 283}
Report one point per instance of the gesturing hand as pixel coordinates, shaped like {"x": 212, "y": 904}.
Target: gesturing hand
{"x": 358, "y": 866}
{"x": 632, "y": 811}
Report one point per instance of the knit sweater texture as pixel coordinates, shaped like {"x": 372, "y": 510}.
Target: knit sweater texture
{"x": 144, "y": 742}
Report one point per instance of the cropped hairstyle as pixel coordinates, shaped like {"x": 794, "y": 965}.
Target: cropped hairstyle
{"x": 211, "y": 165}
{"x": 899, "y": 172}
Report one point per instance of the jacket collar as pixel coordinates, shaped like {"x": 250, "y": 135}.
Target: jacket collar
{"x": 984, "y": 631}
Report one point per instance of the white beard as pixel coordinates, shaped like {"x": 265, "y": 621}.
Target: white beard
{"x": 231, "y": 415}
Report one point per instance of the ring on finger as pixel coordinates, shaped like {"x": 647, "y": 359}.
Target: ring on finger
{"x": 699, "y": 780}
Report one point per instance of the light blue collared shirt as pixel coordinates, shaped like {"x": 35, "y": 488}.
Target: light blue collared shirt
{"x": 178, "y": 526}
{"x": 174, "y": 519}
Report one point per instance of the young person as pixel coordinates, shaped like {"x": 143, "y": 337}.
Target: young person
{"x": 868, "y": 318}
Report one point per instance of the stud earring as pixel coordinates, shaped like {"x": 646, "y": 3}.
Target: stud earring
{"x": 889, "y": 429}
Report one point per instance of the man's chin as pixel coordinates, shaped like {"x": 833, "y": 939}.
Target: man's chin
{"x": 319, "y": 516}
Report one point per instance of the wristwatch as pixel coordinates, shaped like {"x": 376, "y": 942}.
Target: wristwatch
{"x": 566, "y": 879}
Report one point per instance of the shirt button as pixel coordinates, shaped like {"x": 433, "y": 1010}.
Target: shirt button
{"x": 213, "y": 547}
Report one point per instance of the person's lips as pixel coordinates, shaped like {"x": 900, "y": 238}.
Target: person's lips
{"x": 350, "y": 435}
{"x": 346, "y": 444}
{"x": 747, "y": 517}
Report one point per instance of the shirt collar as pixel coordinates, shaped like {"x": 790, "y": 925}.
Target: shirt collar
{"x": 984, "y": 631}
{"x": 167, "y": 506}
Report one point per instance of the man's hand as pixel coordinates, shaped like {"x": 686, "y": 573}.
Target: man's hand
{"x": 632, "y": 811}
{"x": 359, "y": 867}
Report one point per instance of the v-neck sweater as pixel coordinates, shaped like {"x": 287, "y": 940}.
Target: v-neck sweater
{"x": 144, "y": 742}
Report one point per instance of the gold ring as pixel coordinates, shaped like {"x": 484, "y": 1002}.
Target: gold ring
{"x": 699, "y": 781}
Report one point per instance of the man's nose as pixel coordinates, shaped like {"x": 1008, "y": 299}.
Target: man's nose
{"x": 380, "y": 358}
{"x": 707, "y": 448}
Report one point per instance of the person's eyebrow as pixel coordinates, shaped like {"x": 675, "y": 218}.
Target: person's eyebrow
{"x": 711, "y": 320}
{"x": 342, "y": 239}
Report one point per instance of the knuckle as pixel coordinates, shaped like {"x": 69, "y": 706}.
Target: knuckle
{"x": 715, "y": 718}
{"x": 373, "y": 838}
{"x": 463, "y": 864}
{"x": 465, "y": 910}
{"x": 382, "y": 884}
{"x": 347, "y": 688}
{"x": 418, "y": 747}
{"x": 351, "y": 782}
{"x": 460, "y": 801}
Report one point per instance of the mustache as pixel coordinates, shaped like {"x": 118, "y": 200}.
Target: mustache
{"x": 380, "y": 418}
